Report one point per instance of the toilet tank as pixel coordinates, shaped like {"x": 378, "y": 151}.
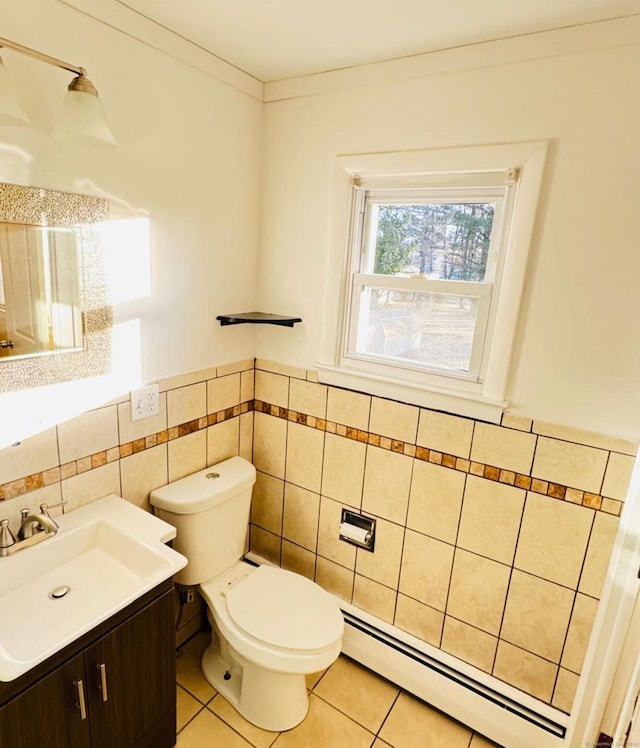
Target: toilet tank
{"x": 210, "y": 511}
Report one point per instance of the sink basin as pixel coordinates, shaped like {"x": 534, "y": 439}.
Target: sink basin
{"x": 104, "y": 556}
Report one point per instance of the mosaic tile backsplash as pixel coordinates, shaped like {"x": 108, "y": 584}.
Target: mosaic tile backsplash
{"x": 492, "y": 541}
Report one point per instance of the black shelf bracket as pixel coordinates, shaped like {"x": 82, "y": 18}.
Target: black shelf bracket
{"x": 257, "y": 318}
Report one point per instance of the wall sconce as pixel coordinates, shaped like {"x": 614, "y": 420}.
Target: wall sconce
{"x": 82, "y": 117}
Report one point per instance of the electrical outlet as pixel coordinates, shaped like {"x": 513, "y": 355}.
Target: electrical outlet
{"x": 145, "y": 402}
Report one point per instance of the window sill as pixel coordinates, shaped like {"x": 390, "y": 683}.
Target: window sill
{"x": 470, "y": 405}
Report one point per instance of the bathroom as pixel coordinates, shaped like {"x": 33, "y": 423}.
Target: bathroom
{"x": 226, "y": 195}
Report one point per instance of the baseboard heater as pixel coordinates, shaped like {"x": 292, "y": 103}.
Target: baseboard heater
{"x": 502, "y": 717}
{"x": 502, "y": 713}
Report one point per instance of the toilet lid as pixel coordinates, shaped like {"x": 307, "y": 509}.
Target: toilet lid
{"x": 285, "y": 610}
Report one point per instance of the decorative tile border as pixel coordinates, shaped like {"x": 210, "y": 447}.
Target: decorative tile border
{"x": 489, "y": 472}
{"x": 33, "y": 482}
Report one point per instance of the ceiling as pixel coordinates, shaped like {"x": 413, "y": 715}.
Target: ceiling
{"x": 277, "y": 39}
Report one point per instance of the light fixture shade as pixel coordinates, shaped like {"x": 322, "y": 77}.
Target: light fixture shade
{"x": 82, "y": 117}
{"x": 11, "y": 113}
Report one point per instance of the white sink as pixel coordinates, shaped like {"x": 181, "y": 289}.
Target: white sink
{"x": 107, "y": 554}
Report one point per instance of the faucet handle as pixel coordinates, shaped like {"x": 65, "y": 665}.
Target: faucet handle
{"x": 44, "y": 508}
{"x": 7, "y": 538}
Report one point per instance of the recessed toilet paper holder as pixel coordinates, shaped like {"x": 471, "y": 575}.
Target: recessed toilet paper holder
{"x": 358, "y": 530}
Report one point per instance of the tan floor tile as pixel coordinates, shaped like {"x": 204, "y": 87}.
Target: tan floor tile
{"x": 357, "y": 692}
{"x": 207, "y": 730}
{"x": 380, "y": 744}
{"x": 479, "y": 741}
{"x": 255, "y": 735}
{"x": 413, "y": 724}
{"x": 324, "y": 727}
{"x": 312, "y": 679}
{"x": 189, "y": 673}
{"x": 187, "y": 707}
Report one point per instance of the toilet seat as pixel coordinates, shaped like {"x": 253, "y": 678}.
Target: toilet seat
{"x": 306, "y": 660}
{"x": 284, "y": 610}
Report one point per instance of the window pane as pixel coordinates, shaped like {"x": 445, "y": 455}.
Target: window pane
{"x": 439, "y": 241}
{"x": 432, "y": 329}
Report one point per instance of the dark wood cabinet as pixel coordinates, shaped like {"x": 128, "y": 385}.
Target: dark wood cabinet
{"x": 115, "y": 688}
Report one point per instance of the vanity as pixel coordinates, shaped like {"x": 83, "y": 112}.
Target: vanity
{"x": 95, "y": 666}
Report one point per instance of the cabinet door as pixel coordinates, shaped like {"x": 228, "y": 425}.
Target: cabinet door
{"x": 46, "y": 713}
{"x": 132, "y": 680}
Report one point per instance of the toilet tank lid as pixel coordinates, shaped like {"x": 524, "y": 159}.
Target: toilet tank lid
{"x": 206, "y": 488}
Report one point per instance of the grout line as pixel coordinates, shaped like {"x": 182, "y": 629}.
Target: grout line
{"x": 344, "y": 714}
{"x": 386, "y": 717}
{"x": 506, "y": 596}
{"x": 189, "y": 721}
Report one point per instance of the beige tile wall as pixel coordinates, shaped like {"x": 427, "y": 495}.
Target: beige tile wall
{"x": 204, "y": 418}
{"x": 492, "y": 541}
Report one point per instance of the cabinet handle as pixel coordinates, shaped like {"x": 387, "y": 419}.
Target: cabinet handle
{"x": 102, "y": 686}
{"x": 80, "y": 703}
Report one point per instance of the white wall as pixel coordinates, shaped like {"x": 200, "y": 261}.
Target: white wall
{"x": 188, "y": 159}
{"x": 578, "y": 358}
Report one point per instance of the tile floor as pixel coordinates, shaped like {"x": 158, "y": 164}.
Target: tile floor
{"x": 350, "y": 707}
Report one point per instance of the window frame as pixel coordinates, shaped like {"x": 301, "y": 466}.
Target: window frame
{"x": 462, "y": 171}
{"x": 362, "y": 253}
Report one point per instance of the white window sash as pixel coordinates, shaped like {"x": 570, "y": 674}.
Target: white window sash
{"x": 358, "y": 323}
{"x": 422, "y": 285}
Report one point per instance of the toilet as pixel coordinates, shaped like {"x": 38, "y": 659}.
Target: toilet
{"x": 270, "y": 627}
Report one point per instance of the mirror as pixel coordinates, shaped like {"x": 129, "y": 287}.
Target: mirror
{"x": 40, "y": 281}
{"x": 53, "y": 298}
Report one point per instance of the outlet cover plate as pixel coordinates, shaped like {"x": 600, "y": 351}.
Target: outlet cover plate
{"x": 145, "y": 402}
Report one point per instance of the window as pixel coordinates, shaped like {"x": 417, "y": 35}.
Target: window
{"x": 434, "y": 274}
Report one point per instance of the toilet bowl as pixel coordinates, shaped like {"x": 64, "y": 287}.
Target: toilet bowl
{"x": 270, "y": 627}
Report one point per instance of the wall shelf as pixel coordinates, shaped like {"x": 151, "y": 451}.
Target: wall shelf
{"x": 257, "y": 318}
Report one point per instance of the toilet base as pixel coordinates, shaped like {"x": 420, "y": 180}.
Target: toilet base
{"x": 266, "y": 698}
